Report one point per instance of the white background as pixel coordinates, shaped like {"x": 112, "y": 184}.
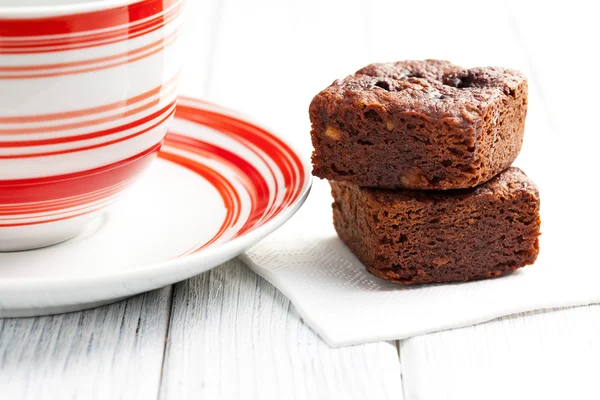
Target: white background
{"x": 229, "y": 334}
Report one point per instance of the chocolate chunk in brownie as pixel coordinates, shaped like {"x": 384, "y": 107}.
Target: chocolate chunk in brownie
{"x": 409, "y": 236}
{"x": 419, "y": 125}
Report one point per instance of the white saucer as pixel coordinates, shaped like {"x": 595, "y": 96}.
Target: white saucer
{"x": 221, "y": 184}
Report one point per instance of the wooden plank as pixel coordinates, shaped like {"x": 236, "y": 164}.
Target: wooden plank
{"x": 105, "y": 353}
{"x": 534, "y": 355}
{"x": 113, "y": 352}
{"x": 230, "y": 334}
{"x": 233, "y": 335}
{"x": 548, "y": 355}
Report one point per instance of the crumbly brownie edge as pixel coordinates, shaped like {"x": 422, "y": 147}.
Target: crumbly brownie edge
{"x": 444, "y": 239}
{"x": 366, "y": 139}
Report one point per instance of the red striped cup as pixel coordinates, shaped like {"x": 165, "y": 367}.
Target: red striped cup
{"x": 86, "y": 91}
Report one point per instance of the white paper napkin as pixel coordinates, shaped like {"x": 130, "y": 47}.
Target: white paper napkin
{"x": 346, "y": 305}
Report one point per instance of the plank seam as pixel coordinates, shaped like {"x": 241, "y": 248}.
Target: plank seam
{"x": 166, "y": 341}
{"x": 403, "y": 386}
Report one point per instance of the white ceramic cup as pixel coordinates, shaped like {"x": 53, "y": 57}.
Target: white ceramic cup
{"x": 87, "y": 89}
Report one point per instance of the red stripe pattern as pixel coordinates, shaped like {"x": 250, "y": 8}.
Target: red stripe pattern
{"x": 68, "y": 146}
{"x": 61, "y": 36}
{"x": 255, "y": 184}
{"x": 270, "y": 191}
{"x": 84, "y": 23}
{"x": 87, "y": 30}
{"x": 35, "y": 201}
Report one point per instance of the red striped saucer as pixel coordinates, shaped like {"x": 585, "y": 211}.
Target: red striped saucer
{"x": 221, "y": 183}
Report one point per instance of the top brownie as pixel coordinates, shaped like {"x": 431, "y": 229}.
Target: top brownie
{"x": 419, "y": 125}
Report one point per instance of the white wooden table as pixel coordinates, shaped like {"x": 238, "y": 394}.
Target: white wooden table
{"x": 229, "y": 334}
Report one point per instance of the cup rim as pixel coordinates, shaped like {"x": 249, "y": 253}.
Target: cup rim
{"x": 30, "y": 12}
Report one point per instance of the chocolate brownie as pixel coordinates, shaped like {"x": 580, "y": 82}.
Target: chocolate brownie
{"x": 419, "y": 125}
{"x": 409, "y": 236}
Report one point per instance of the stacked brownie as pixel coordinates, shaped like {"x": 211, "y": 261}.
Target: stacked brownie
{"x": 418, "y": 154}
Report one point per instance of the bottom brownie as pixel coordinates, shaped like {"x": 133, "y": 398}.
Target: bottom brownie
{"x": 409, "y": 236}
